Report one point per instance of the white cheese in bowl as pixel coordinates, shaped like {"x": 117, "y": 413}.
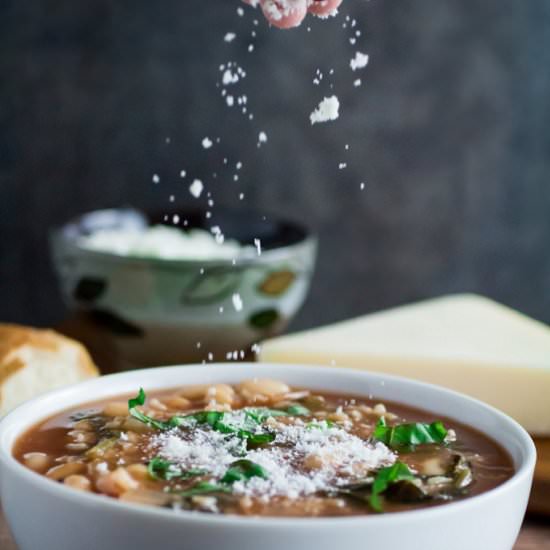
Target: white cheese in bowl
{"x": 163, "y": 242}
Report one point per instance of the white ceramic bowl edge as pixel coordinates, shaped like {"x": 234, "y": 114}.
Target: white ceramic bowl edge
{"x": 48, "y": 516}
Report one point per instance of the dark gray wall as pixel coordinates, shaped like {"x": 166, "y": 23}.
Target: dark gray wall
{"x": 450, "y": 131}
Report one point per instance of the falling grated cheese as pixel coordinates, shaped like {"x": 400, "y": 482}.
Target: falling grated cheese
{"x": 196, "y": 188}
{"x": 218, "y": 235}
{"x": 327, "y": 110}
{"x": 360, "y": 61}
{"x": 258, "y": 245}
{"x": 237, "y": 302}
{"x": 230, "y": 36}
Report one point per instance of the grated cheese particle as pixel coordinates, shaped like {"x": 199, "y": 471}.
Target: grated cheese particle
{"x": 258, "y": 245}
{"x": 237, "y": 302}
{"x": 328, "y": 109}
{"x": 360, "y": 61}
{"x": 196, "y": 188}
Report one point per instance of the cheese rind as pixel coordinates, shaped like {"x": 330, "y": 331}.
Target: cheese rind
{"x": 464, "y": 342}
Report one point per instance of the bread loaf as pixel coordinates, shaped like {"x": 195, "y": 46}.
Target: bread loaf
{"x": 35, "y": 361}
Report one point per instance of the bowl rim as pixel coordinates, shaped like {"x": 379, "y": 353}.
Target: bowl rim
{"x": 280, "y": 253}
{"x": 523, "y": 473}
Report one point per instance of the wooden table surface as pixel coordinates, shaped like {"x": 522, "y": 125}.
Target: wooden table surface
{"x": 535, "y": 535}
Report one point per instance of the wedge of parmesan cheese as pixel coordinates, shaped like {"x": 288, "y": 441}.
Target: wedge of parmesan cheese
{"x": 464, "y": 342}
{"x": 35, "y": 361}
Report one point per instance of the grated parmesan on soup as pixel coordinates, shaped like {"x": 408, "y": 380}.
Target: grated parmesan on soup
{"x": 305, "y": 458}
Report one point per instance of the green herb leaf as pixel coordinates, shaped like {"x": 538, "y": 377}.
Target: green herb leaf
{"x": 298, "y": 410}
{"x": 98, "y": 450}
{"x": 258, "y": 439}
{"x": 204, "y": 488}
{"x": 219, "y": 421}
{"x": 139, "y": 400}
{"x": 242, "y": 470}
{"x": 411, "y": 435}
{"x": 386, "y": 477}
{"x": 262, "y": 414}
{"x": 320, "y": 425}
{"x": 179, "y": 421}
{"x": 159, "y": 468}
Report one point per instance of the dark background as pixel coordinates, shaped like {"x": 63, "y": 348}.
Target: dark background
{"x": 450, "y": 132}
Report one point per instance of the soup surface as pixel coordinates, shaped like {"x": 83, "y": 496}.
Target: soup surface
{"x": 264, "y": 448}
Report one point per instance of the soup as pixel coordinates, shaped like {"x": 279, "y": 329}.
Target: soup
{"x": 264, "y": 448}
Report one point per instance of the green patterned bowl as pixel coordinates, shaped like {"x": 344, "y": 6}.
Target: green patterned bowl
{"x": 160, "y": 311}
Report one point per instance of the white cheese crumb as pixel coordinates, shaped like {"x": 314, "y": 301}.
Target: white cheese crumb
{"x": 359, "y": 61}
{"x": 327, "y": 110}
{"x": 255, "y": 348}
{"x": 196, "y": 188}
{"x": 207, "y": 143}
{"x": 258, "y": 245}
{"x": 237, "y": 302}
{"x": 156, "y": 178}
{"x": 230, "y": 36}
{"x": 218, "y": 235}
{"x": 230, "y": 77}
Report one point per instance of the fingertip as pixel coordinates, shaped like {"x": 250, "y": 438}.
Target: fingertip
{"x": 324, "y": 7}
{"x": 284, "y": 16}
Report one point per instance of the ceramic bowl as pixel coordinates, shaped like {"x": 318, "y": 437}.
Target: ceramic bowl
{"x": 49, "y": 516}
{"x": 160, "y": 311}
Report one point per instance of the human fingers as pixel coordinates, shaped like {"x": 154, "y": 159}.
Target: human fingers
{"x": 323, "y": 7}
{"x": 284, "y": 13}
